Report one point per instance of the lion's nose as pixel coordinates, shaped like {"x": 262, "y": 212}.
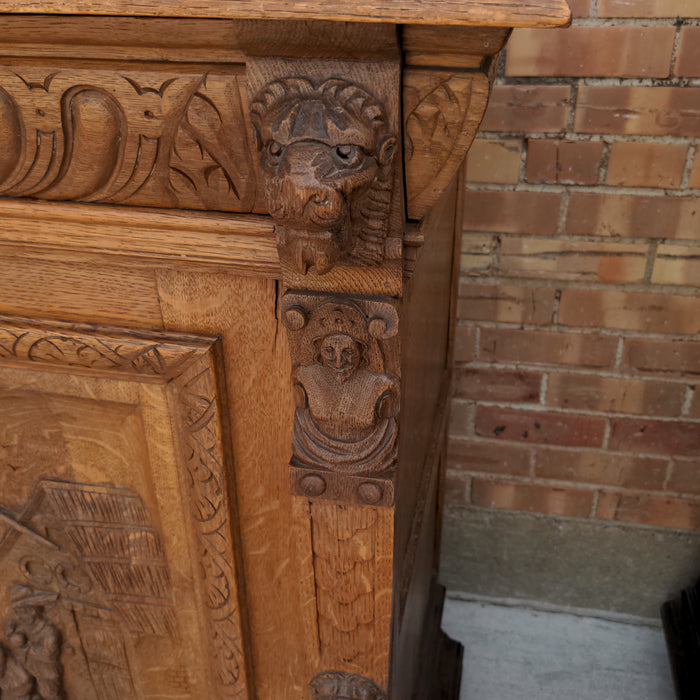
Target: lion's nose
{"x": 324, "y": 205}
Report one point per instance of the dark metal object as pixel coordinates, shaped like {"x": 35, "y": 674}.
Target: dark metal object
{"x": 681, "y": 619}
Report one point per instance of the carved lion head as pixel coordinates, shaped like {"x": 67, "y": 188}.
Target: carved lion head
{"x": 321, "y": 151}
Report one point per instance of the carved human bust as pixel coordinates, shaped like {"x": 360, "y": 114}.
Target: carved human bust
{"x": 325, "y": 156}
{"x": 346, "y": 401}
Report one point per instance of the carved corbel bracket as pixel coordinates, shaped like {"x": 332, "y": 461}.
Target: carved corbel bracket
{"x": 346, "y": 376}
{"x": 328, "y": 170}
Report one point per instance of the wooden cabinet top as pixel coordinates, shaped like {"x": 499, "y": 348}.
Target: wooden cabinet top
{"x": 504, "y": 13}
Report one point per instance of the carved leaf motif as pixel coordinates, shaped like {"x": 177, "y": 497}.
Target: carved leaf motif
{"x": 202, "y": 166}
{"x": 131, "y": 137}
{"x": 433, "y": 126}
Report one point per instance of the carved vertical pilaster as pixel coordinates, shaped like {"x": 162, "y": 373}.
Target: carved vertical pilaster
{"x": 330, "y": 176}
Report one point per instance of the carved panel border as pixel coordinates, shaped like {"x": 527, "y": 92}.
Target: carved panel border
{"x": 187, "y": 363}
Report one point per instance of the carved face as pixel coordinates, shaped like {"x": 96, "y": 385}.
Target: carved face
{"x": 340, "y": 353}
{"x": 320, "y": 150}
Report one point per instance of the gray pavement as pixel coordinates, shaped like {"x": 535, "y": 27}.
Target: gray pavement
{"x": 517, "y": 653}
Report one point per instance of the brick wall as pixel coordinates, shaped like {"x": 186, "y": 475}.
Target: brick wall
{"x": 577, "y": 359}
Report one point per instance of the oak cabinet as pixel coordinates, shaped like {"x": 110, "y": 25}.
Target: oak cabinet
{"x": 228, "y": 256}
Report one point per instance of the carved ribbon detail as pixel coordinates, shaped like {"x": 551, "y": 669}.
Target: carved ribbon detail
{"x": 325, "y": 155}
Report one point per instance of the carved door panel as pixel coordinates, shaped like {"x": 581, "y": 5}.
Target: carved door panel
{"x": 118, "y": 573}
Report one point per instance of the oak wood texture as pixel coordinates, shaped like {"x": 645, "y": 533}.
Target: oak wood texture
{"x": 442, "y": 111}
{"x": 499, "y": 13}
{"x": 116, "y": 523}
{"x": 245, "y": 244}
{"x": 232, "y": 190}
{"x": 326, "y": 134}
{"x": 346, "y": 377}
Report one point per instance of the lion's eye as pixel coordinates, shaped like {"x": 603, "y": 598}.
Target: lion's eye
{"x": 274, "y": 149}
{"x": 350, "y": 155}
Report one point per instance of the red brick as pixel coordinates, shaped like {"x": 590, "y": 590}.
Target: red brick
{"x": 618, "y": 109}
{"x": 476, "y": 254}
{"x": 657, "y": 313}
{"x": 595, "y": 393}
{"x": 563, "y": 162}
{"x": 600, "y": 468}
{"x": 634, "y": 164}
{"x": 694, "y": 410}
{"x": 594, "y": 214}
{"x": 532, "y": 498}
{"x": 648, "y": 8}
{"x": 650, "y": 510}
{"x": 647, "y": 355}
{"x": 584, "y": 350}
{"x": 505, "y": 303}
{"x": 694, "y": 180}
{"x": 601, "y": 261}
{"x": 510, "y": 211}
{"x": 539, "y": 427}
{"x": 464, "y": 343}
{"x": 580, "y": 8}
{"x": 488, "y": 457}
{"x": 655, "y": 436}
{"x": 497, "y": 385}
{"x": 685, "y": 476}
{"x": 527, "y": 108}
{"x": 688, "y": 57}
{"x": 677, "y": 264}
{"x": 622, "y": 51}
{"x": 494, "y": 160}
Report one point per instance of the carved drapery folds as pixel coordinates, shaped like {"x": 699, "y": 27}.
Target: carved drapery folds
{"x": 325, "y": 155}
{"x": 345, "y": 354}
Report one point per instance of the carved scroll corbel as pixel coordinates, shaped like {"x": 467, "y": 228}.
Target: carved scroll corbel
{"x": 345, "y": 371}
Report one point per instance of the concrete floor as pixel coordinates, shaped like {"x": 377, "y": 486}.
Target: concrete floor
{"x": 516, "y": 653}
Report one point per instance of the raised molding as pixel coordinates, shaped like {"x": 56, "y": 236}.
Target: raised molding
{"x": 187, "y": 364}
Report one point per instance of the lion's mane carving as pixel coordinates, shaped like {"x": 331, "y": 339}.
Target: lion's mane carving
{"x": 325, "y": 155}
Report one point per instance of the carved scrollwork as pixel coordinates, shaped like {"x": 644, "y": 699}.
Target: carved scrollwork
{"x": 334, "y": 685}
{"x": 325, "y": 152}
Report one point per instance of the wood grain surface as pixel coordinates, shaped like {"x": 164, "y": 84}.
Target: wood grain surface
{"x": 120, "y": 449}
{"x": 494, "y": 13}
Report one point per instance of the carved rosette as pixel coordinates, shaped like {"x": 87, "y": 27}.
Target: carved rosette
{"x": 345, "y": 354}
{"x": 326, "y": 152}
{"x": 334, "y": 685}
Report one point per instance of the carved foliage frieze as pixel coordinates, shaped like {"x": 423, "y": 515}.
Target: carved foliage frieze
{"x": 335, "y": 685}
{"x": 146, "y": 138}
{"x": 326, "y": 153}
{"x": 185, "y": 363}
{"x": 345, "y": 354}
